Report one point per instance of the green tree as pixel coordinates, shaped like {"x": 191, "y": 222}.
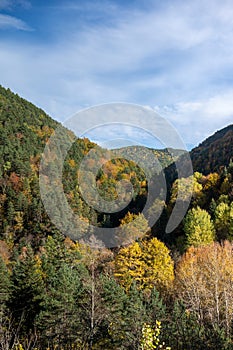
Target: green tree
{"x": 182, "y": 328}
{"x": 126, "y": 315}
{"x": 4, "y": 291}
{"x": 223, "y": 216}
{"x": 27, "y": 291}
{"x": 198, "y": 228}
{"x": 60, "y": 319}
{"x": 93, "y": 314}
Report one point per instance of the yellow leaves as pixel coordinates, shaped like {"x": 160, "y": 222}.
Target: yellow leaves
{"x": 224, "y": 219}
{"x": 159, "y": 265}
{"x": 185, "y": 188}
{"x": 211, "y": 181}
{"x": 150, "y": 337}
{"x": 129, "y": 265}
{"x": 72, "y": 163}
{"x": 18, "y": 221}
{"x": 148, "y": 264}
{"x": 204, "y": 279}
{"x": 132, "y": 227}
{"x": 19, "y": 347}
{"x": 143, "y": 183}
{"x": 129, "y": 217}
{"x": 92, "y": 256}
{"x": 44, "y": 132}
{"x": 226, "y": 185}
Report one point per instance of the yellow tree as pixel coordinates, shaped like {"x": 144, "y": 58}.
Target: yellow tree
{"x": 159, "y": 270}
{"x": 132, "y": 227}
{"x": 129, "y": 265}
{"x": 148, "y": 264}
{"x": 204, "y": 281}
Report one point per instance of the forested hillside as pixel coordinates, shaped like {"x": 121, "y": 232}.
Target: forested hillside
{"x": 161, "y": 291}
{"x": 24, "y": 131}
{"x": 214, "y": 152}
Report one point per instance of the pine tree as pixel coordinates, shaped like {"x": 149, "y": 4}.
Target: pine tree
{"x": 126, "y": 315}
{"x": 27, "y": 291}
{"x": 4, "y": 288}
{"x": 60, "y": 319}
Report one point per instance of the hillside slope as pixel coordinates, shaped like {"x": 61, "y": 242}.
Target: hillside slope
{"x": 214, "y": 152}
{"x": 24, "y": 131}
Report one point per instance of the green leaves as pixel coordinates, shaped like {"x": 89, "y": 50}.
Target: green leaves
{"x": 198, "y": 228}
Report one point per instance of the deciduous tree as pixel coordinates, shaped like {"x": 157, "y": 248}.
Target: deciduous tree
{"x": 198, "y": 228}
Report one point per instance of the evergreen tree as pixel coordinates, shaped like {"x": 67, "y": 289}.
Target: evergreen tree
{"x": 126, "y": 315}
{"x": 4, "y": 288}
{"x": 27, "y": 291}
{"x": 60, "y": 319}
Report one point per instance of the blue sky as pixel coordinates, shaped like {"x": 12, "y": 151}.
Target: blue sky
{"x": 173, "y": 56}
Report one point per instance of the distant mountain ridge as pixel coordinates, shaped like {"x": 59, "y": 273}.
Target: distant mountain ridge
{"x": 214, "y": 152}
{"x": 24, "y": 131}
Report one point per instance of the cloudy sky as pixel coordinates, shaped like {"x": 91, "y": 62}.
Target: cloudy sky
{"x": 173, "y": 56}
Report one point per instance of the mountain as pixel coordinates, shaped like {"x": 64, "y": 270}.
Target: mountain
{"x": 216, "y": 151}
{"x": 24, "y": 131}
{"x": 56, "y": 294}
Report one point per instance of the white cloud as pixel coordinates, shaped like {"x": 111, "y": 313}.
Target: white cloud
{"x": 199, "y": 119}
{"x": 179, "y": 54}
{"x": 7, "y": 21}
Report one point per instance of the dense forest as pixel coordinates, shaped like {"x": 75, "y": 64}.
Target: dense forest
{"x": 161, "y": 291}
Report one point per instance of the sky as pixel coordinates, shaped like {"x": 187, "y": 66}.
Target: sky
{"x": 173, "y": 56}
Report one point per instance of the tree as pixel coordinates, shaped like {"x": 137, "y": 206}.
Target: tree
{"x": 150, "y": 337}
{"x": 60, "y": 311}
{"x": 198, "y": 228}
{"x": 147, "y": 263}
{"x": 27, "y": 291}
{"x": 204, "y": 283}
{"x": 126, "y": 315}
{"x": 4, "y": 298}
{"x": 180, "y": 329}
{"x": 93, "y": 314}
{"x": 60, "y": 319}
{"x": 132, "y": 227}
{"x": 224, "y": 220}
{"x": 159, "y": 270}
